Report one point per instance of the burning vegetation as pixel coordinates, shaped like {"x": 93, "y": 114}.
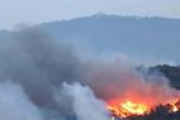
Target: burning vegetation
{"x": 128, "y": 108}
{"x": 145, "y": 108}
{"x": 132, "y": 94}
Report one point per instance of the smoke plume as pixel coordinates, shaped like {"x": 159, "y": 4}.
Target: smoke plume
{"x": 44, "y": 79}
{"x": 15, "y": 104}
{"x": 115, "y": 80}
{"x": 85, "y": 105}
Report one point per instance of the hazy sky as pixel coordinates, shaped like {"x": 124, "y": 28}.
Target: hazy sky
{"x": 13, "y": 12}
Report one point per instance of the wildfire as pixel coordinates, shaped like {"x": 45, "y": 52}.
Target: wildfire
{"x": 129, "y": 108}
{"x": 134, "y": 108}
{"x": 175, "y": 106}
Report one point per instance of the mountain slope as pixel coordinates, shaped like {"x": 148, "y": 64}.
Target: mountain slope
{"x": 154, "y": 38}
{"x": 143, "y": 37}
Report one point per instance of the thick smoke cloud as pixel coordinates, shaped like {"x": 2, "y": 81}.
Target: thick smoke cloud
{"x": 39, "y": 64}
{"x": 53, "y": 82}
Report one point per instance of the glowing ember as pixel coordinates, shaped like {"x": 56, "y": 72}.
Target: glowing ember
{"x": 174, "y": 106}
{"x": 174, "y": 109}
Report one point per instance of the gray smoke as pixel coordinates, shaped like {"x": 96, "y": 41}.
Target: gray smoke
{"x": 39, "y": 65}
{"x": 44, "y": 79}
{"x": 15, "y": 104}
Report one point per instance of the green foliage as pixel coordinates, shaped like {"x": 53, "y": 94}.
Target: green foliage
{"x": 171, "y": 72}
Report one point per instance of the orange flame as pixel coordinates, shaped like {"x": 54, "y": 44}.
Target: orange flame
{"x": 129, "y": 108}
{"x": 174, "y": 106}
{"x": 134, "y": 108}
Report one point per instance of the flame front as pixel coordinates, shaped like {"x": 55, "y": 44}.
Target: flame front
{"x": 127, "y": 108}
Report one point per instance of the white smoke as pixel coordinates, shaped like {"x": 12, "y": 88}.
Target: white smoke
{"x": 15, "y": 105}
{"x": 85, "y": 105}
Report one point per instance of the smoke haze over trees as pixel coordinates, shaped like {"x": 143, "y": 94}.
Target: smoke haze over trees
{"x": 46, "y": 72}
